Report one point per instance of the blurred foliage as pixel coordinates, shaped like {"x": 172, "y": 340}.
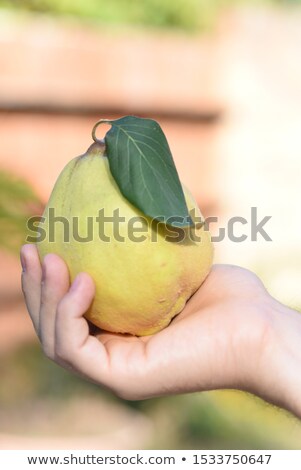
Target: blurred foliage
{"x": 39, "y": 378}
{"x": 36, "y": 394}
{"x": 17, "y": 203}
{"x": 189, "y": 15}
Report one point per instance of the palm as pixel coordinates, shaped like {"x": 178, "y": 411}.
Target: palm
{"x": 202, "y": 346}
{"x": 220, "y": 314}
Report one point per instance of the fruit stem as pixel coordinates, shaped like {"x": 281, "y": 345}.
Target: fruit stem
{"x": 97, "y": 148}
{"x": 95, "y": 128}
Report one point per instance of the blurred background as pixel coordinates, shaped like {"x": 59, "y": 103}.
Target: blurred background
{"x": 223, "y": 78}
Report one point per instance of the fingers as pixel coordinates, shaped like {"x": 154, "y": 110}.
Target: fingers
{"x": 31, "y": 281}
{"x": 73, "y": 344}
{"x": 55, "y": 284}
{"x": 57, "y": 312}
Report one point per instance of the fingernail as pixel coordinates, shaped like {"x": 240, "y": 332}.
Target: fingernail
{"x": 75, "y": 283}
{"x": 23, "y": 262}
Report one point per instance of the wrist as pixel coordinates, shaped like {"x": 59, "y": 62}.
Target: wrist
{"x": 276, "y": 374}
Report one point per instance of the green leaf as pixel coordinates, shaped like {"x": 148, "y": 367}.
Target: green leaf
{"x": 141, "y": 163}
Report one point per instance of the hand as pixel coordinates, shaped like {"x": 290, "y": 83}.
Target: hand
{"x": 224, "y": 337}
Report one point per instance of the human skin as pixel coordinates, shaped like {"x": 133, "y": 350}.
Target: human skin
{"x": 231, "y": 334}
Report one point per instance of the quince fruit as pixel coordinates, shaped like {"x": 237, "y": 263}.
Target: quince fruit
{"x": 144, "y": 271}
